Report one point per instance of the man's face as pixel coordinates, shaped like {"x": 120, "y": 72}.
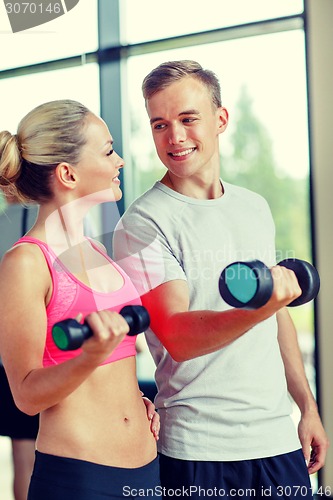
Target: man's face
{"x": 185, "y": 126}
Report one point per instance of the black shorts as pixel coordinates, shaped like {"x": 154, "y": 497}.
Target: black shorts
{"x": 60, "y": 478}
{"x": 13, "y": 422}
{"x": 283, "y": 477}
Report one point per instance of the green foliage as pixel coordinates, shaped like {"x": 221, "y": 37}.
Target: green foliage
{"x": 251, "y": 164}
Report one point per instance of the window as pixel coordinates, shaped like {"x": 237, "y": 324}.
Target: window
{"x": 151, "y": 20}
{"x": 20, "y": 94}
{"x": 274, "y": 85}
{"x": 71, "y": 34}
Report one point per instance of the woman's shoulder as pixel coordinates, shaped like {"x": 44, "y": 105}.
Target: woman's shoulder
{"x": 23, "y": 259}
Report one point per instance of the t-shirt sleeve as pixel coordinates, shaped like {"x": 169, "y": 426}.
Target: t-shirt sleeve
{"x": 142, "y": 249}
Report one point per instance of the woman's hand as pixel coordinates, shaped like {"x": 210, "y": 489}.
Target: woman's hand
{"x": 109, "y": 328}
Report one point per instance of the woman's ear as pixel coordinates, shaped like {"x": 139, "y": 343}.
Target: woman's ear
{"x": 66, "y": 175}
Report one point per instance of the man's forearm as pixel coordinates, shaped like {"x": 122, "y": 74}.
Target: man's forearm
{"x": 298, "y": 385}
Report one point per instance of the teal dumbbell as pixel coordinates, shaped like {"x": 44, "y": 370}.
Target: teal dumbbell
{"x": 249, "y": 285}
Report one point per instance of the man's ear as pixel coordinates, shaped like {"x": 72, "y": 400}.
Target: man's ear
{"x": 66, "y": 175}
{"x": 223, "y": 118}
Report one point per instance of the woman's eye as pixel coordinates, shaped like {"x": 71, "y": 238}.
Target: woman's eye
{"x": 110, "y": 152}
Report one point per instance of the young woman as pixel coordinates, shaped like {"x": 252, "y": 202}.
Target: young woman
{"x": 97, "y": 437}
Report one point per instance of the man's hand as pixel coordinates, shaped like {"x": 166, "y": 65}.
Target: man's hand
{"x": 153, "y": 416}
{"x": 314, "y": 440}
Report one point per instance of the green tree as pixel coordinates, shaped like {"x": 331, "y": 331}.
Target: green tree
{"x": 251, "y": 164}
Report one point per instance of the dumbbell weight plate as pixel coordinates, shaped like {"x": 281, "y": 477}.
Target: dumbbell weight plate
{"x": 307, "y": 277}
{"x": 246, "y": 285}
{"x": 78, "y": 333}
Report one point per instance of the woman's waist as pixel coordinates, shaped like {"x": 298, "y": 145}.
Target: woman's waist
{"x": 104, "y": 420}
{"x": 109, "y": 436}
{"x": 118, "y": 449}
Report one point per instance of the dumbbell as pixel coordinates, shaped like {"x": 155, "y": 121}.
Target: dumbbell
{"x": 249, "y": 285}
{"x": 69, "y": 334}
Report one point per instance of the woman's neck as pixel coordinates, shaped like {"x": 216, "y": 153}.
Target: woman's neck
{"x": 60, "y": 227}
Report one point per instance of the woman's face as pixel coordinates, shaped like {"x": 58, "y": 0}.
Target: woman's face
{"x": 99, "y": 166}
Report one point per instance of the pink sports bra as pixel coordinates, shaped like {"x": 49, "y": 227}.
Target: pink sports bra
{"x": 71, "y": 297}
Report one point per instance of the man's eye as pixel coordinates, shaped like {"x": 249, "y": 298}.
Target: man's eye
{"x": 110, "y": 152}
{"x": 159, "y": 126}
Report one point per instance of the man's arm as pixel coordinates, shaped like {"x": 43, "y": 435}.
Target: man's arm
{"x": 189, "y": 334}
{"x": 310, "y": 429}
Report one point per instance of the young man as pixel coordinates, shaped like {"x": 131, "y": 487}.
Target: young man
{"x": 222, "y": 374}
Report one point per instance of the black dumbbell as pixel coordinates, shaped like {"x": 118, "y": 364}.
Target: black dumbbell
{"x": 250, "y": 284}
{"x": 69, "y": 334}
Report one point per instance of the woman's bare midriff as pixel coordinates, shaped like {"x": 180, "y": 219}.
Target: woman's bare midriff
{"x": 101, "y": 422}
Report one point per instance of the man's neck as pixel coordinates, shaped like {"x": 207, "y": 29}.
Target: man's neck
{"x": 194, "y": 188}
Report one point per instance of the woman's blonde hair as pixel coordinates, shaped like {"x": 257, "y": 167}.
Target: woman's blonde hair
{"x": 50, "y": 134}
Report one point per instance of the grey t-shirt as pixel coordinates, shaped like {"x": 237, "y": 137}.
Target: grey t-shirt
{"x": 232, "y": 404}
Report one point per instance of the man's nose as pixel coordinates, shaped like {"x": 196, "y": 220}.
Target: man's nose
{"x": 177, "y": 134}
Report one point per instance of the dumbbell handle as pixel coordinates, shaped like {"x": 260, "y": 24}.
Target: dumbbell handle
{"x": 69, "y": 334}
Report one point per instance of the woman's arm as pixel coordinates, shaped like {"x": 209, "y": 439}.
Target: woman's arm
{"x": 25, "y": 285}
